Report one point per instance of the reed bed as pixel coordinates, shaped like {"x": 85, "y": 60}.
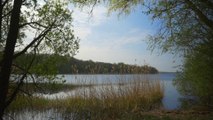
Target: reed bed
{"x": 104, "y": 101}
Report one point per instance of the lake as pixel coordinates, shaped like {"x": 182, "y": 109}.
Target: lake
{"x": 170, "y": 101}
{"x": 171, "y": 95}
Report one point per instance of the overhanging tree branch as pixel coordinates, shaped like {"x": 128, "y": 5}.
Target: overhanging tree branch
{"x": 8, "y": 13}
{"x": 200, "y": 15}
{"x": 4, "y": 3}
{"x": 32, "y": 42}
{"x": 21, "y": 82}
{"x": 39, "y": 37}
{"x": 31, "y": 23}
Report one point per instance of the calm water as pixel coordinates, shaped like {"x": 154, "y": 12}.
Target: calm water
{"x": 171, "y": 95}
{"x": 170, "y": 100}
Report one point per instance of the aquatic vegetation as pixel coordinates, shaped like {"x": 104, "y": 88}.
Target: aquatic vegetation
{"x": 100, "y": 101}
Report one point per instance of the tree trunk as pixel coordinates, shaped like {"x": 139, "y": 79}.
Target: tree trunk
{"x": 8, "y": 55}
{"x": 1, "y": 10}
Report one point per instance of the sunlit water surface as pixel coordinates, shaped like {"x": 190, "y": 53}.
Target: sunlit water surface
{"x": 171, "y": 95}
{"x": 170, "y": 101}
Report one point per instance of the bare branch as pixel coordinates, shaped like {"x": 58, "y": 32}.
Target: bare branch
{"x": 15, "y": 92}
{"x": 4, "y": 3}
{"x": 39, "y": 37}
{"x": 93, "y": 6}
{"x": 200, "y": 15}
{"x": 32, "y": 42}
{"x": 22, "y": 69}
{"x": 21, "y": 82}
{"x": 31, "y": 23}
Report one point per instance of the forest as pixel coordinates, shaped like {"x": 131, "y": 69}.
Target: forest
{"x": 71, "y": 65}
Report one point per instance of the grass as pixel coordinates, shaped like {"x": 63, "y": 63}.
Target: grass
{"x": 102, "y": 101}
{"x": 136, "y": 100}
{"x": 177, "y": 115}
{"x": 112, "y": 102}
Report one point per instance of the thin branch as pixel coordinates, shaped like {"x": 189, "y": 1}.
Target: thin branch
{"x": 93, "y": 6}
{"x": 12, "y": 97}
{"x": 203, "y": 18}
{"x": 15, "y": 92}
{"x": 22, "y": 69}
{"x": 4, "y": 3}
{"x": 39, "y": 37}
{"x": 32, "y": 42}
{"x": 25, "y": 92}
{"x": 30, "y": 23}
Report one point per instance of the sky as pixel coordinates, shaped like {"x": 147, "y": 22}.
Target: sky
{"x": 113, "y": 39}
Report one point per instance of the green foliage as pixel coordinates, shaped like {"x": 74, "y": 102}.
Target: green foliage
{"x": 61, "y": 38}
{"x": 184, "y": 24}
{"x": 197, "y": 78}
{"x": 123, "y": 6}
{"x": 44, "y": 28}
{"x": 41, "y": 65}
{"x": 47, "y": 27}
{"x": 186, "y": 29}
{"x": 181, "y": 30}
{"x": 89, "y": 67}
{"x": 32, "y": 27}
{"x": 47, "y": 64}
{"x": 104, "y": 102}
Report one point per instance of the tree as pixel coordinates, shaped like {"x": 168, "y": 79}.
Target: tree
{"x": 184, "y": 23}
{"x": 186, "y": 29}
{"x": 196, "y": 77}
{"x": 29, "y": 26}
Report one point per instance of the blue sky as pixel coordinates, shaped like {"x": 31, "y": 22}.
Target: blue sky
{"x": 113, "y": 39}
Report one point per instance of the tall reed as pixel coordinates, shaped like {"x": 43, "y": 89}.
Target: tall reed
{"x": 105, "y": 101}
{"x": 114, "y": 100}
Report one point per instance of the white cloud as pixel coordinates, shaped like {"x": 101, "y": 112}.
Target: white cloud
{"x": 114, "y": 46}
{"x": 99, "y": 15}
{"x": 84, "y": 21}
{"x": 111, "y": 49}
{"x": 130, "y": 38}
{"x": 83, "y": 17}
{"x": 82, "y": 32}
{"x": 104, "y": 54}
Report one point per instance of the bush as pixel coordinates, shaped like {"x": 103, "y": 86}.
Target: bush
{"x": 196, "y": 78}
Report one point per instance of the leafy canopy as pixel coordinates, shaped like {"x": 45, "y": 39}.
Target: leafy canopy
{"x": 45, "y": 27}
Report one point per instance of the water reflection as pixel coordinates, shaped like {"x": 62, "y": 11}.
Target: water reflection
{"x": 50, "y": 114}
{"x": 171, "y": 99}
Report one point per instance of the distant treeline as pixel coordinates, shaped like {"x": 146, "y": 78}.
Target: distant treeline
{"x": 71, "y": 65}
{"x": 74, "y": 65}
